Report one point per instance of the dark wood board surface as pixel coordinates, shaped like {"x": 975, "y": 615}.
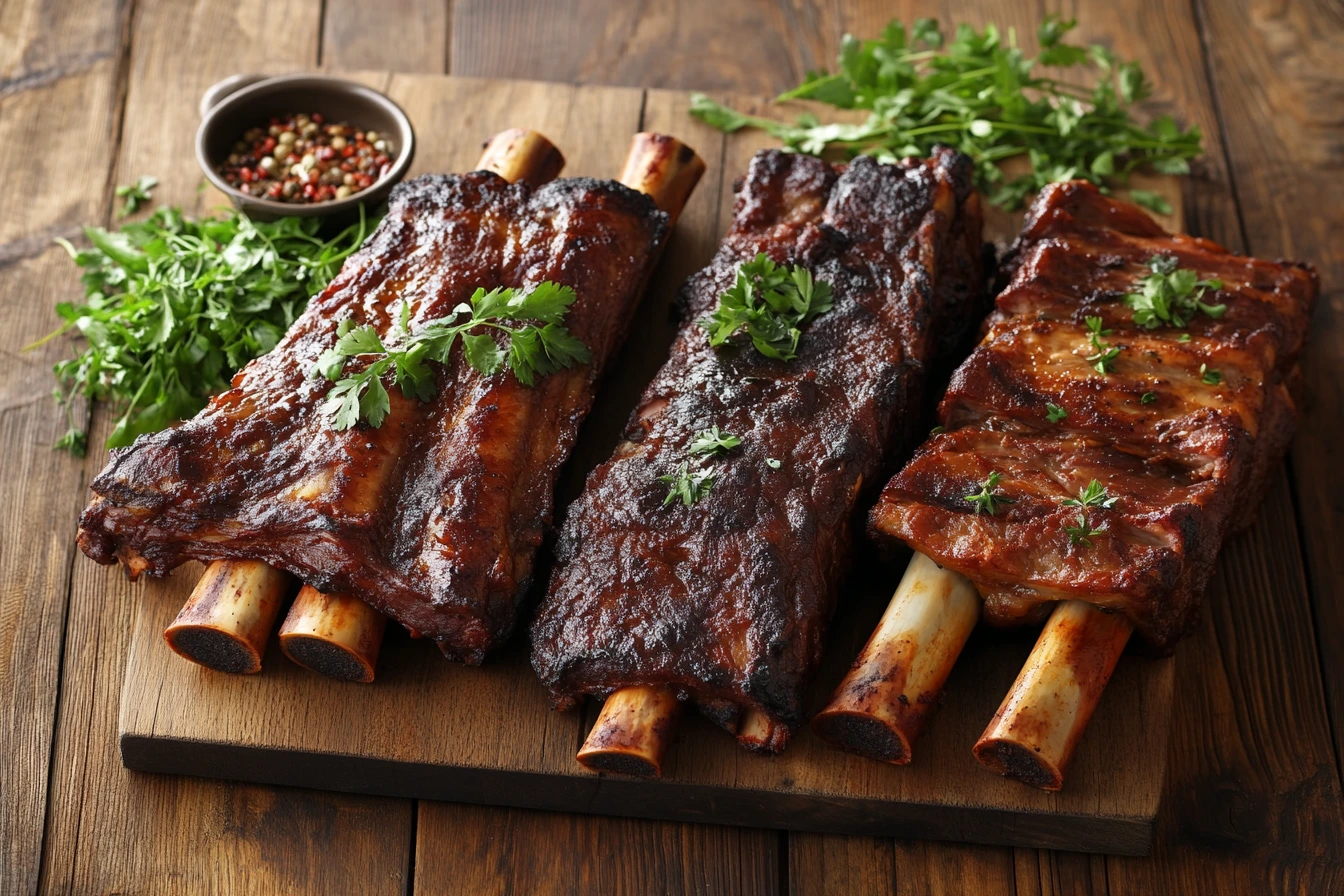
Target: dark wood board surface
{"x": 1252, "y": 800}
{"x": 288, "y": 726}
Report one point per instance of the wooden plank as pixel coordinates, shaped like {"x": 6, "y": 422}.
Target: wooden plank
{"x": 175, "y": 718}
{"x": 71, "y": 90}
{"x": 755, "y": 46}
{"x": 110, "y": 830}
{"x": 479, "y": 850}
{"x": 1277, "y": 71}
{"x": 395, "y": 35}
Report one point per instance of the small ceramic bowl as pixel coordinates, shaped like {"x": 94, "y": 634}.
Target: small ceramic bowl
{"x": 235, "y": 104}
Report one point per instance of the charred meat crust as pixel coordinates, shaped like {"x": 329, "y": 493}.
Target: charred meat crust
{"x": 1188, "y": 465}
{"x": 435, "y": 517}
{"x": 727, "y": 601}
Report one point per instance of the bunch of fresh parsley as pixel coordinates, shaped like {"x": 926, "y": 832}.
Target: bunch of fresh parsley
{"x": 769, "y": 302}
{"x": 173, "y": 307}
{"x": 1171, "y": 295}
{"x": 534, "y": 350}
{"x": 980, "y": 94}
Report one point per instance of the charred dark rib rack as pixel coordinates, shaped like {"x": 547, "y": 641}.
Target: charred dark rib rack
{"x": 434, "y": 517}
{"x": 725, "y": 602}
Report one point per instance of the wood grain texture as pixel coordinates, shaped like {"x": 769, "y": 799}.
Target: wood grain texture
{"x": 110, "y": 830}
{"x": 757, "y": 46}
{"x": 474, "y": 850}
{"x": 71, "y": 90}
{"x": 1280, "y": 85}
{"x": 396, "y": 35}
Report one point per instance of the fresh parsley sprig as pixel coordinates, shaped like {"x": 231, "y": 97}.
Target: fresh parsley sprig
{"x": 687, "y": 485}
{"x": 713, "y": 441}
{"x": 980, "y": 94}
{"x": 1082, "y": 533}
{"x": 1103, "y": 354}
{"x": 690, "y": 485}
{"x": 1172, "y": 295}
{"x": 173, "y": 306}
{"x": 139, "y": 192}
{"x": 770, "y": 302}
{"x": 1094, "y": 495}
{"x": 986, "y": 500}
{"x": 538, "y": 345}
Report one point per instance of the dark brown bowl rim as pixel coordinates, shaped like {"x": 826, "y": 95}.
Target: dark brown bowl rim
{"x": 318, "y": 82}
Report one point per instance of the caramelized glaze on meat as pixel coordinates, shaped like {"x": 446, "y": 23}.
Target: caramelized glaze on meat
{"x": 1188, "y": 466}
{"x": 727, "y": 600}
{"x": 436, "y": 516}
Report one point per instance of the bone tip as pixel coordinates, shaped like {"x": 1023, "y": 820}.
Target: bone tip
{"x": 862, "y": 734}
{"x": 214, "y": 649}
{"x": 1019, "y": 762}
{"x": 619, "y": 762}
{"x": 329, "y": 659}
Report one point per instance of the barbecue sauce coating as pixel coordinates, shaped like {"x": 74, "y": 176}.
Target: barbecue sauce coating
{"x": 1188, "y": 467}
{"x": 727, "y": 600}
{"x": 435, "y": 517}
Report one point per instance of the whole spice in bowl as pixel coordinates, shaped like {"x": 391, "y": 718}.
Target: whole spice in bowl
{"x": 303, "y": 158}
{"x": 306, "y": 145}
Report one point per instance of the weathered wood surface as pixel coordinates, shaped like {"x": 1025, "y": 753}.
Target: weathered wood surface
{"x": 1252, "y": 801}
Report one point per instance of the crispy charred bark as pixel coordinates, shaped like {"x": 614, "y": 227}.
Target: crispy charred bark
{"x": 726, "y": 602}
{"x": 1188, "y": 466}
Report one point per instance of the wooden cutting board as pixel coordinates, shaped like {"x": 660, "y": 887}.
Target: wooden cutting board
{"x": 428, "y": 728}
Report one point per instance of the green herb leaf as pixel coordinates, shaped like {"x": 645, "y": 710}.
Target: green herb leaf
{"x": 769, "y": 302}
{"x": 1054, "y": 413}
{"x": 986, "y": 500}
{"x": 1094, "y": 495}
{"x": 1171, "y": 296}
{"x": 1148, "y": 397}
{"x": 687, "y": 485}
{"x": 1210, "y": 376}
{"x": 1082, "y": 533}
{"x": 1154, "y": 202}
{"x": 482, "y": 352}
{"x": 135, "y": 194}
{"x": 75, "y": 440}
{"x": 977, "y": 92}
{"x": 712, "y": 441}
{"x": 533, "y": 351}
{"x": 1104, "y": 354}
{"x": 173, "y": 306}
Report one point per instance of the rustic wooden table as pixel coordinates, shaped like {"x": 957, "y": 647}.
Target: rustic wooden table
{"x": 1253, "y": 795}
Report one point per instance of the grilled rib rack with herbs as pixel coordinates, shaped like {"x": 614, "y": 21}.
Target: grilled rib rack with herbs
{"x": 1160, "y": 367}
{"x": 433, "y": 516}
{"x": 722, "y": 595}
